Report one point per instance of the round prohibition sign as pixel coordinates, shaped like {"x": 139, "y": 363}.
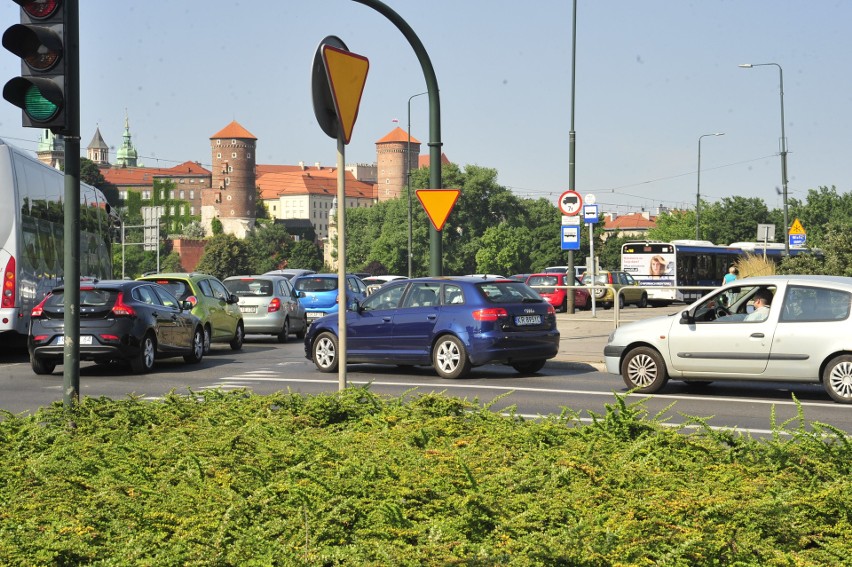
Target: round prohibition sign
{"x": 570, "y": 203}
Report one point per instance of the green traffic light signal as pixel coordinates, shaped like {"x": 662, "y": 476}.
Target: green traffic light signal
{"x": 39, "y": 40}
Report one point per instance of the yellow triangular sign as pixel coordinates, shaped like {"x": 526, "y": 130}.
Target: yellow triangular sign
{"x": 797, "y": 228}
{"x": 347, "y": 74}
{"x": 438, "y": 203}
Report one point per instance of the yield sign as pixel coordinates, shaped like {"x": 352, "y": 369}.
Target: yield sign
{"x": 347, "y": 73}
{"x": 438, "y": 203}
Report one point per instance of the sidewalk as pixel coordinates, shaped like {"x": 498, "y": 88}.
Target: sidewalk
{"x": 583, "y": 337}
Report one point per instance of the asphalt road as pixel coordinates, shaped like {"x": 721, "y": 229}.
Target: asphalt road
{"x": 573, "y": 382}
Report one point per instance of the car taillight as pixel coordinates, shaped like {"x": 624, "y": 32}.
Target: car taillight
{"x": 38, "y": 310}
{"x": 38, "y": 339}
{"x": 551, "y": 310}
{"x": 192, "y": 300}
{"x": 121, "y": 309}
{"x": 110, "y": 338}
{"x": 490, "y": 314}
{"x": 274, "y": 305}
{"x": 9, "y": 284}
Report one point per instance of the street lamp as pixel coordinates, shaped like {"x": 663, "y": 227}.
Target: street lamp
{"x": 698, "y": 187}
{"x": 783, "y": 150}
{"x": 408, "y": 177}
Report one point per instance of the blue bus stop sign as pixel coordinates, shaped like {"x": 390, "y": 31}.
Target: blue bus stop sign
{"x": 570, "y": 237}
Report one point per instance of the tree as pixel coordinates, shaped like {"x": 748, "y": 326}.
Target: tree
{"x": 268, "y": 246}
{"x": 224, "y": 255}
{"x": 91, "y": 174}
{"x": 504, "y": 250}
{"x": 305, "y": 255}
{"x": 674, "y": 225}
{"x": 171, "y": 263}
{"x": 216, "y": 226}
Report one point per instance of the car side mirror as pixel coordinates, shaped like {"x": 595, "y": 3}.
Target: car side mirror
{"x": 233, "y": 299}
{"x": 686, "y": 317}
{"x": 186, "y": 305}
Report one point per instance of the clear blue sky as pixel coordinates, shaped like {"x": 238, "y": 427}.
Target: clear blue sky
{"x": 651, "y": 78}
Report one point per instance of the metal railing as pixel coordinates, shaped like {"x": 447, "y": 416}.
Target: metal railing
{"x": 618, "y": 293}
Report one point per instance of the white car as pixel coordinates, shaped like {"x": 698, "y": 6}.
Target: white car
{"x": 375, "y": 282}
{"x": 804, "y": 336}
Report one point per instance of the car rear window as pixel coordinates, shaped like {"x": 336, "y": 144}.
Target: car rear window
{"x": 507, "y": 292}
{"x": 540, "y": 281}
{"x": 88, "y": 298}
{"x": 250, "y": 287}
{"x": 316, "y": 284}
{"x": 177, "y": 288}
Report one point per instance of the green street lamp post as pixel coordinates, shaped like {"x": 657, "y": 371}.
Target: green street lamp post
{"x": 408, "y": 178}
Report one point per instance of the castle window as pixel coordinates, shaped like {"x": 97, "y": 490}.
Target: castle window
{"x": 172, "y": 210}
{"x": 234, "y": 154}
{"x": 218, "y": 142}
{"x": 192, "y": 194}
{"x": 229, "y": 197}
{"x": 172, "y": 194}
{"x": 146, "y": 195}
{"x": 233, "y": 142}
{"x": 123, "y": 195}
{"x": 227, "y": 181}
{"x": 192, "y": 210}
{"x": 181, "y": 194}
{"x": 248, "y": 154}
{"x": 219, "y": 155}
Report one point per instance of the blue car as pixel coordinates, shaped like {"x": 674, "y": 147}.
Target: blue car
{"x": 450, "y": 323}
{"x": 318, "y": 293}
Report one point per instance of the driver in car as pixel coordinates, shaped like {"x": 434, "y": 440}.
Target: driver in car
{"x": 762, "y": 300}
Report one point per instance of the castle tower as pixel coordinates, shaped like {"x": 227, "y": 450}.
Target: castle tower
{"x": 97, "y": 150}
{"x": 51, "y": 150}
{"x": 126, "y": 155}
{"x": 233, "y": 193}
{"x": 392, "y": 152}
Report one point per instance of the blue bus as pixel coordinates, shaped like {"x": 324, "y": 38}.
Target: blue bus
{"x": 689, "y": 263}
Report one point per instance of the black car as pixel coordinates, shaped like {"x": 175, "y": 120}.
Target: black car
{"x": 120, "y": 320}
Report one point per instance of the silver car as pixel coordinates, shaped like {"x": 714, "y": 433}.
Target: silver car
{"x": 270, "y": 305}
{"x": 799, "y": 331}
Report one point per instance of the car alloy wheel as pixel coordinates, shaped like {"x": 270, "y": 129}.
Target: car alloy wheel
{"x": 144, "y": 361}
{"x": 324, "y": 352}
{"x": 449, "y": 358}
{"x": 197, "y": 347}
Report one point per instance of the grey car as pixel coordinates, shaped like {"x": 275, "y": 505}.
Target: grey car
{"x": 798, "y": 332}
{"x": 270, "y": 305}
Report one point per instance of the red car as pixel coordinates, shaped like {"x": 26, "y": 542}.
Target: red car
{"x": 551, "y": 287}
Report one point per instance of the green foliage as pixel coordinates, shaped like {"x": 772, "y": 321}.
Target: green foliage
{"x": 224, "y": 255}
{"x": 305, "y": 255}
{"x": 351, "y": 478}
{"x": 269, "y": 247}
{"x": 171, "y": 263}
{"x": 216, "y": 227}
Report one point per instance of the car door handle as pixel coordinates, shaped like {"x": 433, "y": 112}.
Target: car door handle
{"x": 757, "y": 335}
{"x": 431, "y": 317}
{"x": 387, "y": 319}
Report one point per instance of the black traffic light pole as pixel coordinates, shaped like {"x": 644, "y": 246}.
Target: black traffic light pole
{"x": 71, "y": 361}
{"x": 435, "y": 245}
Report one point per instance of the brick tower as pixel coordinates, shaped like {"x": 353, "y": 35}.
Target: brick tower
{"x": 232, "y": 195}
{"x": 391, "y": 157}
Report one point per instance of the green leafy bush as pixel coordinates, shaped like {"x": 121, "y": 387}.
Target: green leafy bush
{"x": 356, "y": 479}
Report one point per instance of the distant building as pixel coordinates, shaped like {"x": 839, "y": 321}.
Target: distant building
{"x": 51, "y": 150}
{"x": 233, "y": 196}
{"x": 633, "y": 225}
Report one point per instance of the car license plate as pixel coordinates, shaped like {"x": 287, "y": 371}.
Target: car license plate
{"x": 248, "y": 308}
{"x": 84, "y": 340}
{"x": 314, "y": 314}
{"x": 528, "y": 320}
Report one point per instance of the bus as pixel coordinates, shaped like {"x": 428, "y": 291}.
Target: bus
{"x": 689, "y": 263}
{"x": 32, "y": 241}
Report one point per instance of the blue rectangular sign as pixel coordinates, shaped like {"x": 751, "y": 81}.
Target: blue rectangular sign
{"x": 570, "y": 237}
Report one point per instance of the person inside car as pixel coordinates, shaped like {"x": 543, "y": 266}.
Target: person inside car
{"x": 762, "y": 300}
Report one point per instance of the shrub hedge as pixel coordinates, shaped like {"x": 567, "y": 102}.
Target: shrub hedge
{"x": 357, "y": 479}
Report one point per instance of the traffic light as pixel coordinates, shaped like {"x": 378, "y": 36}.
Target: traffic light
{"x": 39, "y": 40}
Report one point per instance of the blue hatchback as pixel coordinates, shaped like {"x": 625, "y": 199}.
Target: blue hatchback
{"x": 450, "y": 323}
{"x": 318, "y": 293}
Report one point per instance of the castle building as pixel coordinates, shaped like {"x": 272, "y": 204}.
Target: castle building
{"x": 97, "y": 150}
{"x": 396, "y": 156}
{"x": 51, "y": 150}
{"x": 126, "y": 155}
{"x": 232, "y": 198}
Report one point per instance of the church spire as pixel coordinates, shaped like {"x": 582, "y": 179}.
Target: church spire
{"x": 126, "y": 155}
